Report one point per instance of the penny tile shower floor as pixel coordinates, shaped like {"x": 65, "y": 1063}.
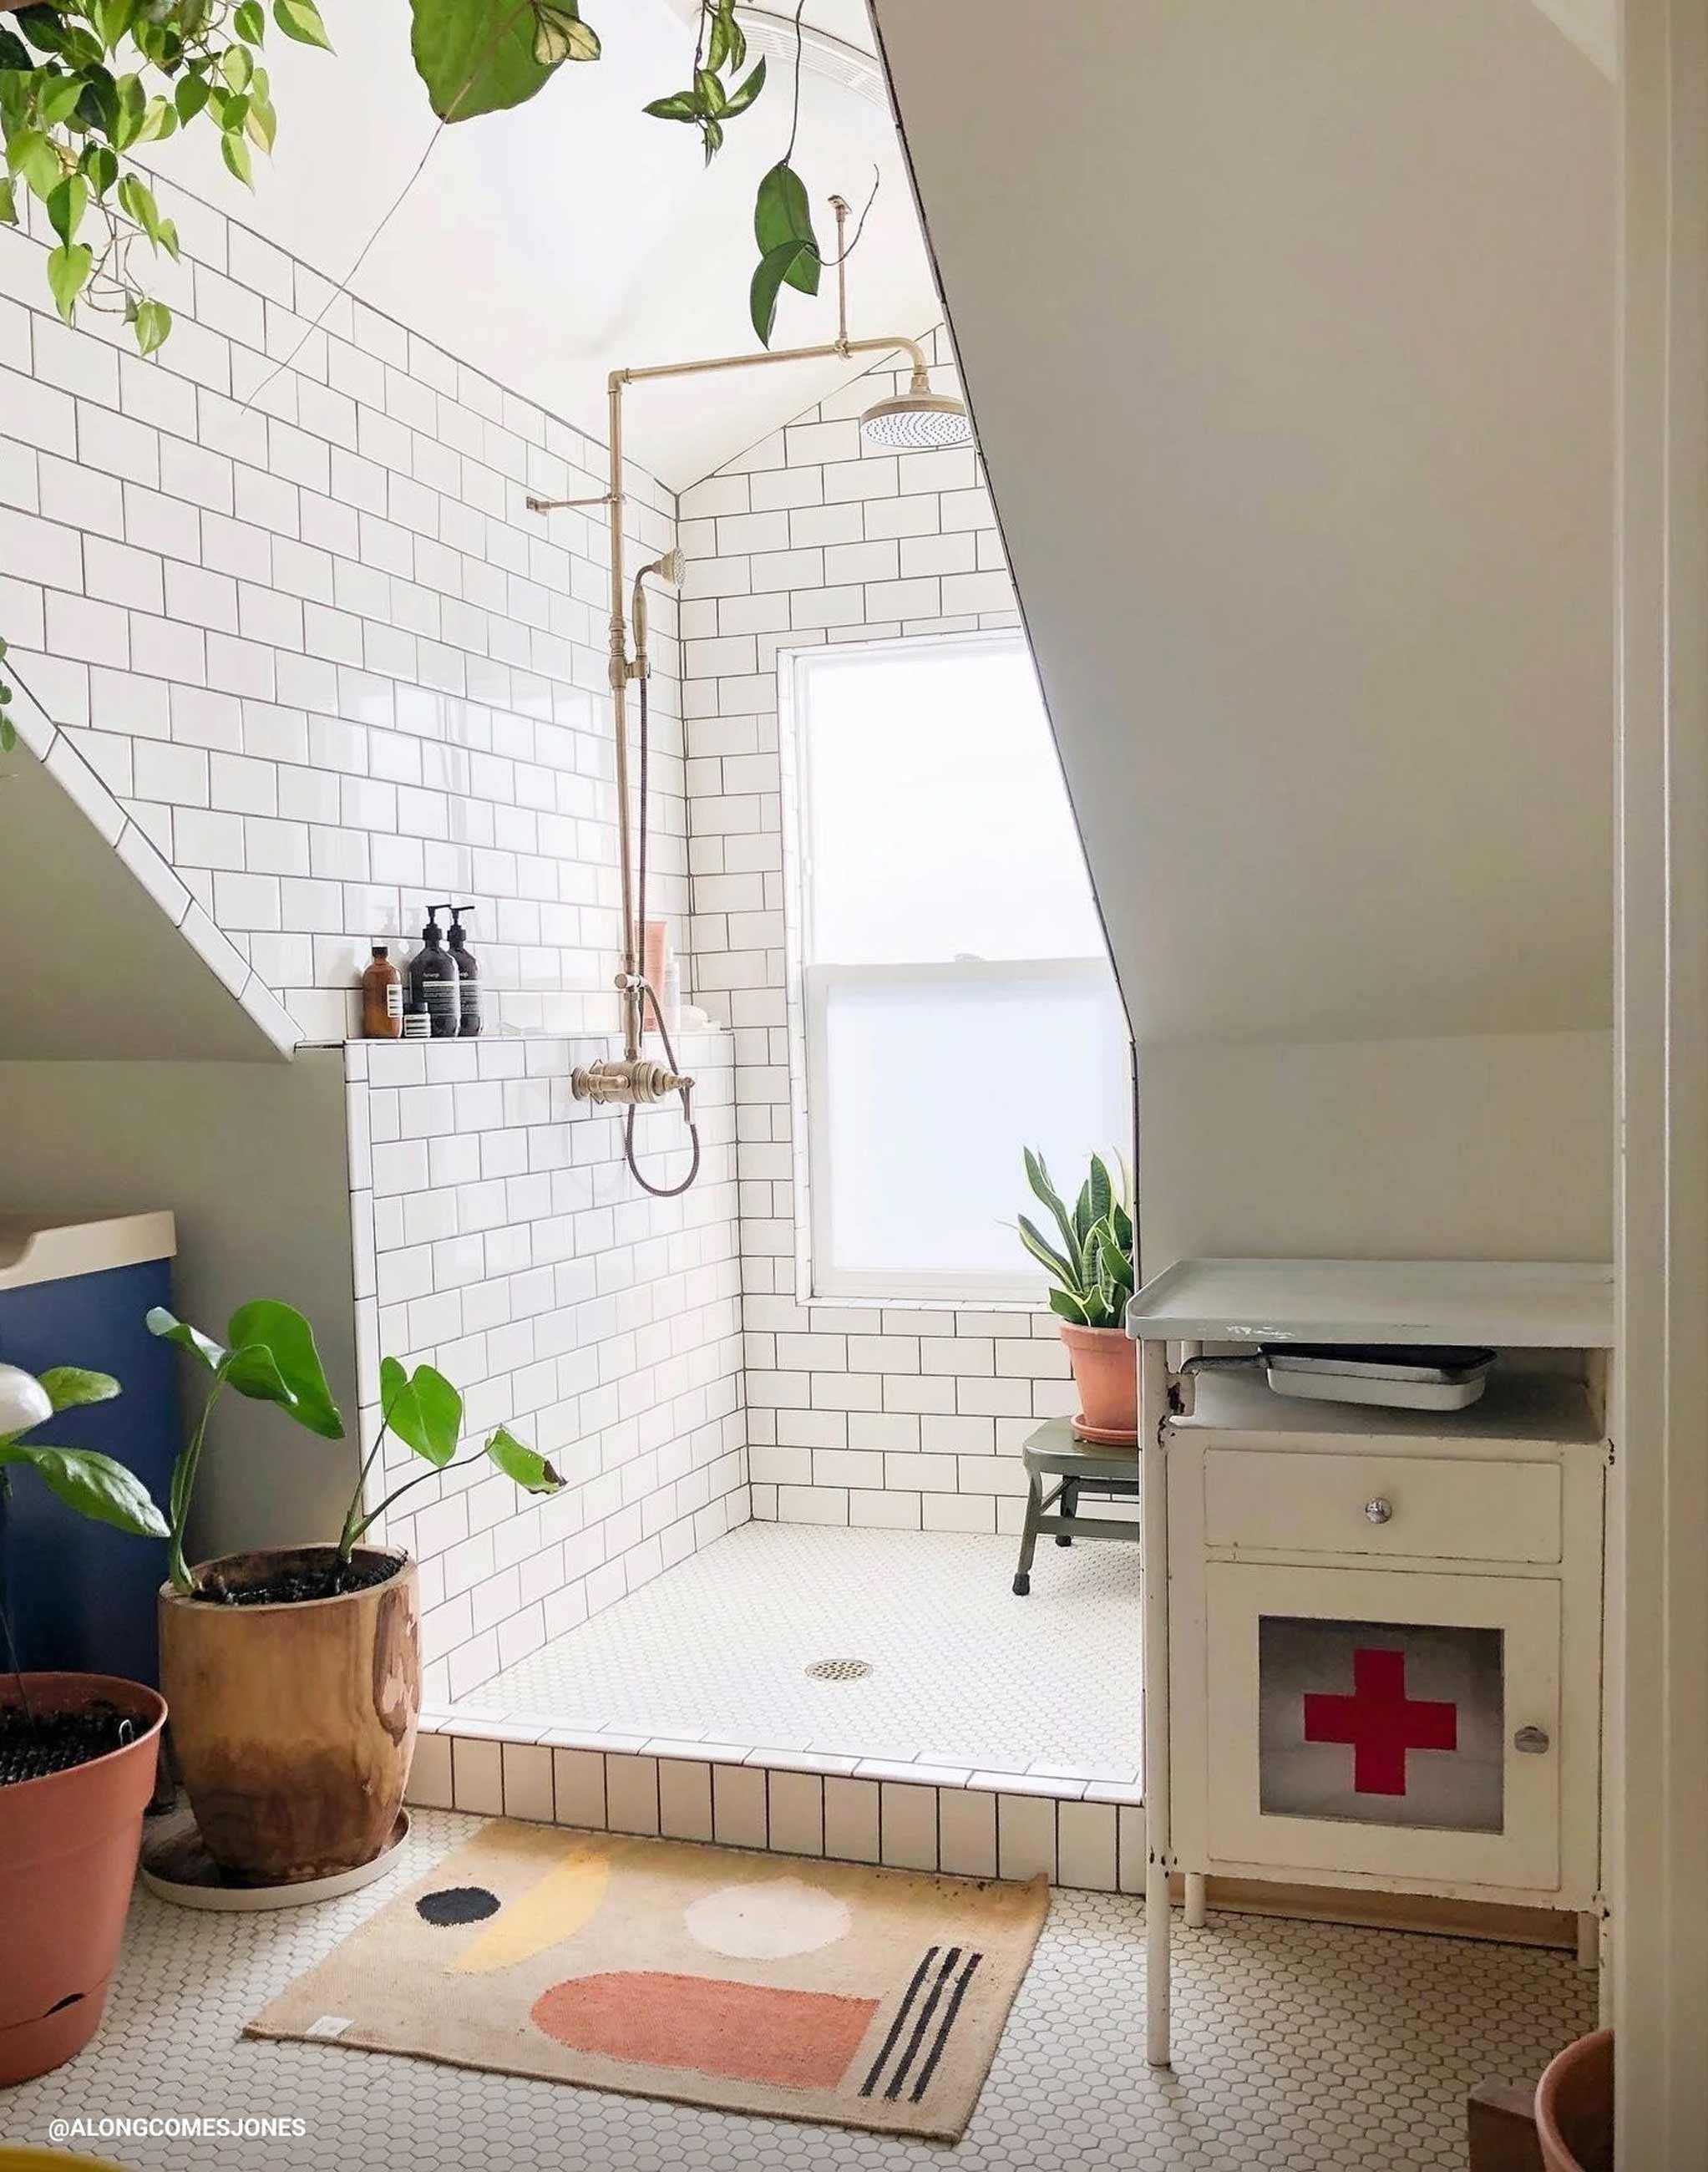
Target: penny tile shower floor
{"x": 1297, "y": 2046}
{"x": 963, "y": 1673}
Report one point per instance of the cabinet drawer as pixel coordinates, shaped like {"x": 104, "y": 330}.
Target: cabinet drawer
{"x": 1437, "y": 1507}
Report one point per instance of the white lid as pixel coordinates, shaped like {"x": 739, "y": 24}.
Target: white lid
{"x": 50, "y": 1247}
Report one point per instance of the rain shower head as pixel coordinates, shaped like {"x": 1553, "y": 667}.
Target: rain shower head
{"x": 670, "y": 568}
{"x": 918, "y": 419}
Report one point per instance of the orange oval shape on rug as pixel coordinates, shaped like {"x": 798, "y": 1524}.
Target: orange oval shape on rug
{"x": 746, "y": 2032}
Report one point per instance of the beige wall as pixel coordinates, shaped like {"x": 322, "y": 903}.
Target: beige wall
{"x": 251, "y": 1159}
{"x": 1496, "y": 1146}
{"x": 1289, "y": 341}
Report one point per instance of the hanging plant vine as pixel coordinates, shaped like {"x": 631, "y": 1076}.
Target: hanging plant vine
{"x": 86, "y": 83}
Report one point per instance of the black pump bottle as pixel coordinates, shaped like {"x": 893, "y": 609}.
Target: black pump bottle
{"x": 468, "y": 969}
{"x": 433, "y": 980}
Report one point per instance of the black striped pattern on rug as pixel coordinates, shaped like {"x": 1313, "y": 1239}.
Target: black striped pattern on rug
{"x": 934, "y": 1996}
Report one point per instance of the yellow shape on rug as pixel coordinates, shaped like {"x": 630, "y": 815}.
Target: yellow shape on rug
{"x": 554, "y": 1908}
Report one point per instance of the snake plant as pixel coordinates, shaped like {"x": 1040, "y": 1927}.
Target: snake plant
{"x": 1091, "y": 1264}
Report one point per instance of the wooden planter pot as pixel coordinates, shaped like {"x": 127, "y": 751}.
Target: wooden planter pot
{"x": 293, "y": 1724}
{"x": 68, "y": 1845}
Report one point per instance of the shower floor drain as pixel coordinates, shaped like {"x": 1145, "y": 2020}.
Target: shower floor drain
{"x": 839, "y": 1671}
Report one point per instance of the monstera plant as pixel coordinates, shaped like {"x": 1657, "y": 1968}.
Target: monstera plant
{"x": 85, "y": 85}
{"x": 299, "y": 1667}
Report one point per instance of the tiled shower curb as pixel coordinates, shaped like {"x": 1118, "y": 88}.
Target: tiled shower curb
{"x": 1087, "y": 1835}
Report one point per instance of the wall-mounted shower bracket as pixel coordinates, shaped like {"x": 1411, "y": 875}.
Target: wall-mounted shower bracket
{"x": 630, "y": 1082}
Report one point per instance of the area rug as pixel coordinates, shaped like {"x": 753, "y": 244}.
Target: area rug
{"x": 816, "y": 1991}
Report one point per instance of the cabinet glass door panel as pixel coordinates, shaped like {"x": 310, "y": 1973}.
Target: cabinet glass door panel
{"x": 1381, "y": 1723}
{"x": 1387, "y": 1725}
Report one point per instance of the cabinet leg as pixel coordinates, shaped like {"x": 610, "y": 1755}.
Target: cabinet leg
{"x": 1589, "y": 1941}
{"x": 1195, "y": 1900}
{"x": 1157, "y": 2052}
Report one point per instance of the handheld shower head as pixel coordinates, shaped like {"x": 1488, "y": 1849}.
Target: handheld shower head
{"x": 670, "y": 568}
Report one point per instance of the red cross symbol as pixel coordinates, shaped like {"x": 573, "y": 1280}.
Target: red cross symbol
{"x": 1380, "y": 1722}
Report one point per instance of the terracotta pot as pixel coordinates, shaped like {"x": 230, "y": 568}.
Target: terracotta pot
{"x": 68, "y": 1847}
{"x": 1574, "y": 2107}
{"x": 1106, "y": 1373}
{"x": 293, "y": 1722}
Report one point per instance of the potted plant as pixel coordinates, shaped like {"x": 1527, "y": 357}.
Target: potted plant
{"x": 294, "y": 1672}
{"x": 1090, "y": 1261}
{"x": 77, "y": 1766}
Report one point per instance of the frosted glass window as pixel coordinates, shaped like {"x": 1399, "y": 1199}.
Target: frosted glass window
{"x": 937, "y": 825}
{"x": 958, "y": 1000}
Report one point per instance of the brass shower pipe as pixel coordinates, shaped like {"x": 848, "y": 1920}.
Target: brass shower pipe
{"x": 634, "y": 1079}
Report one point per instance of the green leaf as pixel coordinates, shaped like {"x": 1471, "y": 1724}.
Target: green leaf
{"x": 71, "y": 1387}
{"x": 66, "y": 207}
{"x": 781, "y": 213}
{"x": 423, "y": 1410}
{"x": 1048, "y": 1257}
{"x": 202, "y": 1347}
{"x": 235, "y": 152}
{"x": 251, "y": 22}
{"x": 190, "y": 96}
{"x": 1083, "y": 1217}
{"x": 524, "y": 1465}
{"x": 1066, "y": 1306}
{"x": 778, "y": 267}
{"x": 60, "y": 100}
{"x": 136, "y": 200}
{"x": 476, "y": 55}
{"x": 744, "y": 96}
{"x": 560, "y": 34}
{"x": 237, "y": 68}
{"x": 68, "y": 268}
{"x": 101, "y": 165}
{"x": 95, "y": 1485}
{"x": 1114, "y": 1262}
{"x": 114, "y": 18}
{"x": 1037, "y": 1176}
{"x": 717, "y": 46}
{"x": 679, "y": 107}
{"x": 287, "y": 1339}
{"x": 261, "y": 125}
{"x": 152, "y": 323}
{"x": 709, "y": 91}
{"x": 301, "y": 19}
{"x": 9, "y": 201}
{"x": 30, "y": 153}
{"x": 1102, "y": 1191}
{"x": 712, "y": 132}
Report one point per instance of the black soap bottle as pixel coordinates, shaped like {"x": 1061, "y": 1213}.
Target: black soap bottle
{"x": 432, "y": 982}
{"x": 468, "y": 969}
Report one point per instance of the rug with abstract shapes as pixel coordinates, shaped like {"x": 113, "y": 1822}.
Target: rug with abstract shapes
{"x": 817, "y": 1991}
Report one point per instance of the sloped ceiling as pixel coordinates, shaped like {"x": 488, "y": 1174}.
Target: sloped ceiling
{"x": 551, "y": 244}
{"x": 1288, "y": 334}
{"x": 96, "y": 970}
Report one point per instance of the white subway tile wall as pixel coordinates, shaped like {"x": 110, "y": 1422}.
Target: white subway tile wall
{"x": 499, "y": 1236}
{"x": 280, "y": 587}
{"x": 891, "y": 1416}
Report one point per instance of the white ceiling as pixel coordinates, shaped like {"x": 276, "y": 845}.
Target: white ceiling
{"x": 550, "y": 244}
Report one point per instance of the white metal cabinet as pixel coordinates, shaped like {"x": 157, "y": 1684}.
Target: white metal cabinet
{"x": 1374, "y": 1635}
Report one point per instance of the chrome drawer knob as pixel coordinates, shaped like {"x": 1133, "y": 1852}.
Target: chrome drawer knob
{"x": 1532, "y": 1741}
{"x": 1378, "y": 1511}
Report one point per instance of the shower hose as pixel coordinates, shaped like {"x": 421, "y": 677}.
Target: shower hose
{"x": 647, "y": 993}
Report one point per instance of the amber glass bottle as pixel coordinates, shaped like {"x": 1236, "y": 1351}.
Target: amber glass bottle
{"x": 382, "y": 997}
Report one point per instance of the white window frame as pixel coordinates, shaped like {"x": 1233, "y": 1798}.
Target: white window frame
{"x": 810, "y": 988}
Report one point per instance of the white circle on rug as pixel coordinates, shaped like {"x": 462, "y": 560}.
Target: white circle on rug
{"x": 767, "y": 1920}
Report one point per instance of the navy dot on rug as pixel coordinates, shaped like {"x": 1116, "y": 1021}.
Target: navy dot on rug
{"x": 457, "y": 1904}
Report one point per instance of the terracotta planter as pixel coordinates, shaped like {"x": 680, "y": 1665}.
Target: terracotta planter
{"x": 68, "y": 1847}
{"x": 1574, "y": 2107}
{"x": 1106, "y": 1373}
{"x": 293, "y": 1724}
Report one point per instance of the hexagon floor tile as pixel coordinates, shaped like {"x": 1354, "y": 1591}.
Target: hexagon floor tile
{"x": 1298, "y": 2047}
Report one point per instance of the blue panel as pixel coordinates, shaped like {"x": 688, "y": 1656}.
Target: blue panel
{"x": 81, "y": 1595}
